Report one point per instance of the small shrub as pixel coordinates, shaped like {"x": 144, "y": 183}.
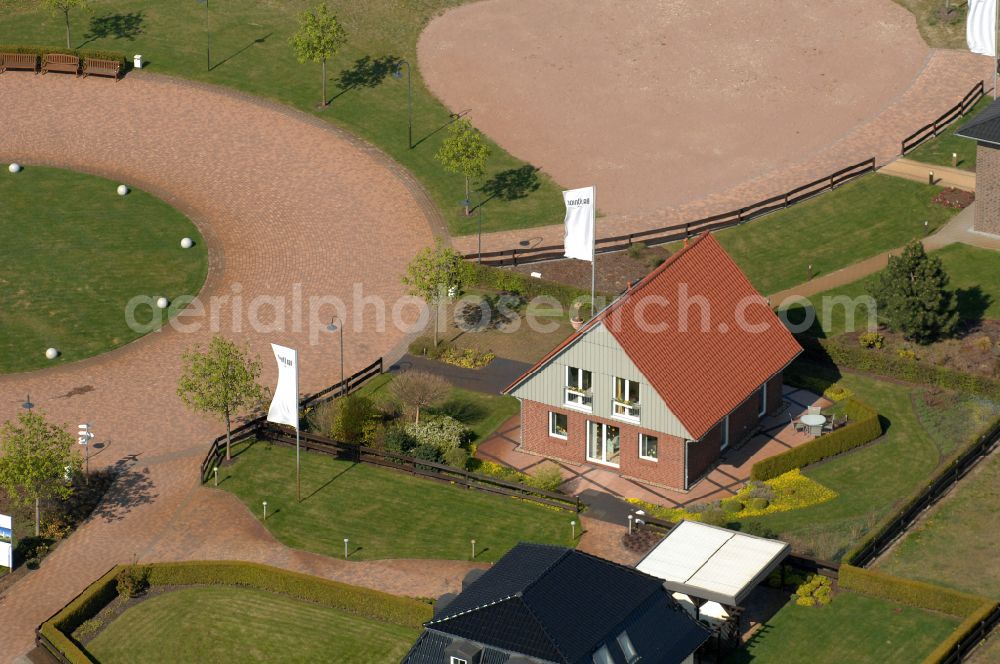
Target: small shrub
{"x": 322, "y": 417}
{"x": 635, "y": 250}
{"x": 132, "y": 581}
{"x": 732, "y": 505}
{"x": 427, "y": 453}
{"x": 815, "y": 588}
{"x": 354, "y": 412}
{"x": 836, "y": 392}
{"x": 656, "y": 261}
{"x": 983, "y": 343}
{"x": 387, "y": 407}
{"x": 88, "y": 628}
{"x": 547, "y": 478}
{"x": 715, "y": 516}
{"x": 906, "y": 354}
{"x": 871, "y": 340}
{"x": 398, "y": 440}
{"x": 759, "y": 503}
{"x": 457, "y": 457}
{"x": 467, "y": 358}
{"x": 442, "y": 432}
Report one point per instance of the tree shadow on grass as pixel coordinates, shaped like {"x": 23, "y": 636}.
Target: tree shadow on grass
{"x": 511, "y": 184}
{"x": 131, "y": 489}
{"x": 462, "y": 409}
{"x": 367, "y": 72}
{"x": 972, "y": 306}
{"x": 118, "y": 26}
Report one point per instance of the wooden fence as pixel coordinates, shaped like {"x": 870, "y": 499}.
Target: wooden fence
{"x": 932, "y": 129}
{"x": 683, "y": 231}
{"x": 417, "y": 467}
{"x": 217, "y": 451}
{"x": 973, "y": 638}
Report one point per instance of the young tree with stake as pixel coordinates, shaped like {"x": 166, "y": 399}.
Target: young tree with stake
{"x": 64, "y": 7}
{"x": 222, "y": 380}
{"x": 320, "y": 37}
{"x": 35, "y": 459}
{"x": 464, "y": 152}
{"x": 431, "y": 274}
{"x": 419, "y": 389}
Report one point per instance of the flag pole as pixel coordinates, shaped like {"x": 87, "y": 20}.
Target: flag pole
{"x": 996, "y": 51}
{"x": 593, "y": 253}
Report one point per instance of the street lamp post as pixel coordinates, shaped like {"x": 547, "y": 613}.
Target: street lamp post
{"x": 398, "y": 73}
{"x": 335, "y": 325}
{"x": 84, "y": 437}
{"x": 479, "y": 251}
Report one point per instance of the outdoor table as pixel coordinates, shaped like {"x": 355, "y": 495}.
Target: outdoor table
{"x": 814, "y": 422}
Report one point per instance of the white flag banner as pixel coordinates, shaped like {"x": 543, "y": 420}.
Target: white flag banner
{"x": 6, "y": 541}
{"x": 580, "y": 218}
{"x": 981, "y": 27}
{"x": 285, "y": 404}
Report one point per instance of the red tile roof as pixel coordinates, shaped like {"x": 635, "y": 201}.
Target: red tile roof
{"x": 704, "y": 372}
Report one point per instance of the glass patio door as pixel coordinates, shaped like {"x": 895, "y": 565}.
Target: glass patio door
{"x": 603, "y": 443}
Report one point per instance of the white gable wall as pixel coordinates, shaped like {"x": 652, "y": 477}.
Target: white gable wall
{"x": 600, "y": 353}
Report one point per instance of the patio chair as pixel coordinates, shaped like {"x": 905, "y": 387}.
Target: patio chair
{"x": 799, "y": 426}
{"x": 813, "y": 410}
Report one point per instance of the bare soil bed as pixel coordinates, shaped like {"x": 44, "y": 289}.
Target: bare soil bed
{"x": 660, "y": 102}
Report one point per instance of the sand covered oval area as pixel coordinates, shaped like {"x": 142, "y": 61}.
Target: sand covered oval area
{"x": 660, "y": 102}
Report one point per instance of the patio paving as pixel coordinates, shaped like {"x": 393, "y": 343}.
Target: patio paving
{"x": 594, "y": 485}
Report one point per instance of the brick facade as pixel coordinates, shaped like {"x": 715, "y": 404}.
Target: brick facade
{"x": 669, "y": 469}
{"x": 987, "y": 218}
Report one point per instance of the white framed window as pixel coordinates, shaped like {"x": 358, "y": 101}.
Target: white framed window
{"x": 458, "y": 660}
{"x": 578, "y": 388}
{"x": 625, "y": 403}
{"x": 603, "y": 656}
{"x": 763, "y": 400}
{"x": 625, "y": 643}
{"x": 558, "y": 425}
{"x": 603, "y": 443}
{"x": 649, "y": 448}
{"x": 725, "y": 433}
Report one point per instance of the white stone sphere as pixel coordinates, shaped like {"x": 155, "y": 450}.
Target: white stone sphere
{"x": 14, "y": 168}
{"x": 52, "y": 353}
{"x": 187, "y": 243}
{"x": 162, "y": 302}
{"x": 122, "y": 190}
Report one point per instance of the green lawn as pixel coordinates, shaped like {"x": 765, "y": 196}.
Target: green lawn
{"x": 973, "y": 274}
{"x": 870, "y": 481}
{"x": 856, "y": 221}
{"x": 955, "y": 545}
{"x": 219, "y": 624}
{"x": 939, "y": 150}
{"x": 74, "y": 254}
{"x": 936, "y": 32}
{"x": 384, "y": 513}
{"x": 853, "y": 628}
{"x": 251, "y": 52}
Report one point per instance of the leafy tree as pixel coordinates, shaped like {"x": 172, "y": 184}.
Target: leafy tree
{"x": 64, "y": 7}
{"x": 319, "y": 38}
{"x": 419, "y": 389}
{"x": 34, "y": 458}
{"x": 464, "y": 152}
{"x": 431, "y": 274}
{"x": 221, "y": 380}
{"x": 912, "y": 295}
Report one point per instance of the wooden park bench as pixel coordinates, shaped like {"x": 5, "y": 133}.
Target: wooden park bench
{"x": 27, "y": 61}
{"x": 96, "y": 67}
{"x": 61, "y": 62}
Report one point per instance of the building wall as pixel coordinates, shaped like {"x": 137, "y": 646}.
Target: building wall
{"x": 667, "y": 470}
{"x": 987, "y": 219}
{"x": 600, "y": 353}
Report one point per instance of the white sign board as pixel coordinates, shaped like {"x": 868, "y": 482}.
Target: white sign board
{"x": 6, "y": 541}
{"x": 285, "y": 404}
{"x": 581, "y": 215}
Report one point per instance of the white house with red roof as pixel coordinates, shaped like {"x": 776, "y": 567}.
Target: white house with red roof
{"x": 681, "y": 366}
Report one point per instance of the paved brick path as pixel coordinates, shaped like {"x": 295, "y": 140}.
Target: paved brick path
{"x": 283, "y": 199}
{"x": 945, "y": 78}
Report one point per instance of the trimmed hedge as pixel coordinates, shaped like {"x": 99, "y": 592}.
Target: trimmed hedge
{"x": 863, "y": 426}
{"x": 971, "y": 623}
{"x": 912, "y": 593}
{"x": 82, "y": 53}
{"x": 893, "y": 366}
{"x": 342, "y": 597}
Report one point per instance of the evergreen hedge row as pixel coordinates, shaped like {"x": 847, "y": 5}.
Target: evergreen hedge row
{"x": 342, "y": 597}
{"x": 863, "y": 426}
{"x": 893, "y": 366}
{"x": 82, "y": 53}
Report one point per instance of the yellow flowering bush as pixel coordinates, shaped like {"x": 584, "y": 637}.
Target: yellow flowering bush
{"x": 791, "y": 491}
{"x": 468, "y": 358}
{"x": 836, "y": 392}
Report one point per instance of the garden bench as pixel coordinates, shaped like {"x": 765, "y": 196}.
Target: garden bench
{"x": 96, "y": 67}
{"x": 27, "y": 61}
{"x": 61, "y": 62}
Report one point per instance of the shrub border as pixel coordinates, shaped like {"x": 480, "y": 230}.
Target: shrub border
{"x": 55, "y": 633}
{"x": 863, "y": 427}
{"x": 83, "y": 53}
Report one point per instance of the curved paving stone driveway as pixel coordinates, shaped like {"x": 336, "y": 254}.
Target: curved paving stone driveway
{"x": 283, "y": 199}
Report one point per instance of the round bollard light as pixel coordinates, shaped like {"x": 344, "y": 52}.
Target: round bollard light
{"x": 52, "y": 353}
{"x": 122, "y": 190}
{"x": 14, "y": 168}
{"x": 162, "y": 302}
{"x": 187, "y": 243}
